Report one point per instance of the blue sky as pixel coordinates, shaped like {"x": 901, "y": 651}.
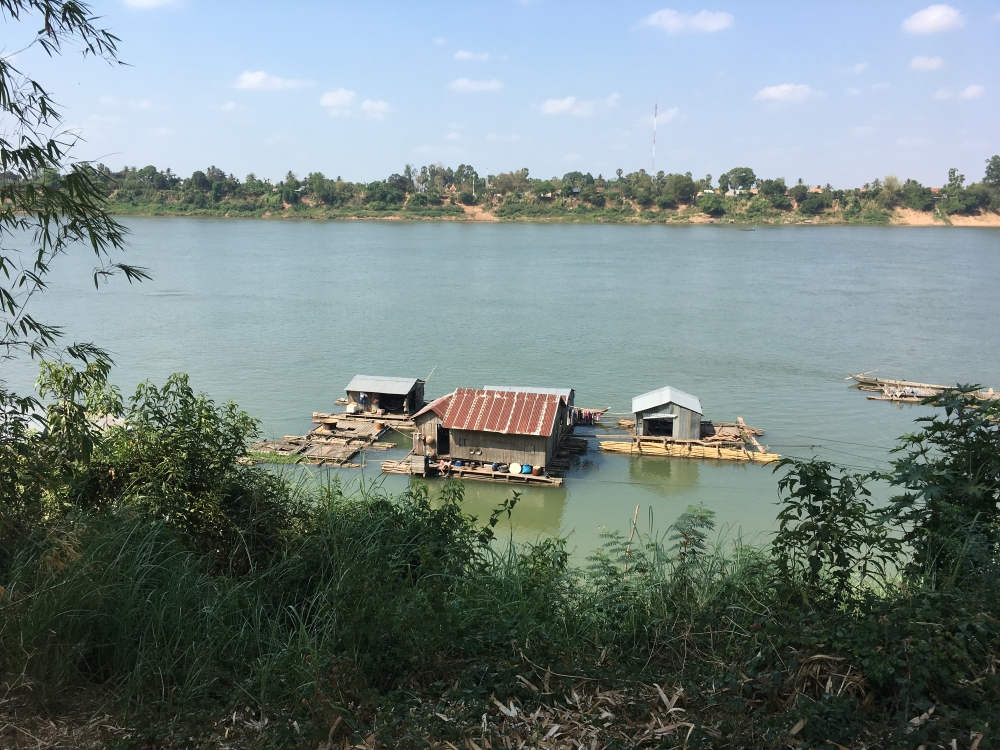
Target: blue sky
{"x": 829, "y": 92}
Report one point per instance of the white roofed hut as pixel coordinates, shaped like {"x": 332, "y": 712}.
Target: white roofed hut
{"x": 668, "y": 412}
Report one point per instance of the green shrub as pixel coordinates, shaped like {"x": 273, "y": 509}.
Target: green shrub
{"x": 712, "y": 204}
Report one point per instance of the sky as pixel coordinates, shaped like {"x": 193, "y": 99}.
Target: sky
{"x": 835, "y": 93}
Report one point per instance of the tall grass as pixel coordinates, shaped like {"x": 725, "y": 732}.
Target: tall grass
{"x": 371, "y": 594}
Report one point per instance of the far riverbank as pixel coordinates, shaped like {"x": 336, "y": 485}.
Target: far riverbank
{"x": 685, "y": 216}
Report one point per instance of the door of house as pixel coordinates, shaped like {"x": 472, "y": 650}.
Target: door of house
{"x": 443, "y": 441}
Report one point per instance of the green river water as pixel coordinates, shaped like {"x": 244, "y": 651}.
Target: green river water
{"x": 279, "y": 315}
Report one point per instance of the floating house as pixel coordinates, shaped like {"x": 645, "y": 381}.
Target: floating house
{"x": 370, "y": 393}
{"x": 668, "y": 412}
{"x": 492, "y": 425}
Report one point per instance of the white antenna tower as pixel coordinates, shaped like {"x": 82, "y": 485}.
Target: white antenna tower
{"x": 653, "y": 169}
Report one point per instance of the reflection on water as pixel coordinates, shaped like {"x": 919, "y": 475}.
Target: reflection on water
{"x": 539, "y": 511}
{"x": 666, "y": 476}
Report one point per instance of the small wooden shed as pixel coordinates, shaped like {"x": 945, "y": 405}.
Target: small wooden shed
{"x": 393, "y": 395}
{"x": 668, "y": 412}
{"x": 492, "y": 426}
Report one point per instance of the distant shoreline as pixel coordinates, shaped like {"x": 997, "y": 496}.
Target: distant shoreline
{"x": 897, "y": 218}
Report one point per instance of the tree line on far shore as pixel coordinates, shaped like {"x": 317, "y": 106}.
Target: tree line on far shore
{"x": 435, "y": 189}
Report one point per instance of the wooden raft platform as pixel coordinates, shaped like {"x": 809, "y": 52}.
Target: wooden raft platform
{"x": 414, "y": 465}
{"x": 726, "y": 441}
{"x": 331, "y": 443}
{"x": 396, "y": 421}
{"x": 654, "y": 446}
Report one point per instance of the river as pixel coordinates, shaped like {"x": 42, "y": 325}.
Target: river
{"x": 279, "y": 315}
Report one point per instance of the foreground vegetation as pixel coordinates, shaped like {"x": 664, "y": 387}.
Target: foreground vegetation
{"x": 158, "y": 591}
{"x": 436, "y": 192}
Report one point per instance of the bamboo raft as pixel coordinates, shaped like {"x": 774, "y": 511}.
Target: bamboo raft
{"x": 656, "y": 446}
{"x": 397, "y": 421}
{"x": 726, "y": 441}
{"x": 331, "y": 443}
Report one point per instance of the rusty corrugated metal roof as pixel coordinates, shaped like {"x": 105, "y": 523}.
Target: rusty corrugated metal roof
{"x": 507, "y": 412}
{"x": 439, "y": 406}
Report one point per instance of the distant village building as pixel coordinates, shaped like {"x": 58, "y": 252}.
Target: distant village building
{"x": 372, "y": 393}
{"x": 486, "y": 425}
{"x": 668, "y": 412}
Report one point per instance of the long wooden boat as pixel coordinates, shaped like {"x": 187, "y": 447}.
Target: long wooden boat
{"x": 880, "y": 383}
{"x": 909, "y": 391}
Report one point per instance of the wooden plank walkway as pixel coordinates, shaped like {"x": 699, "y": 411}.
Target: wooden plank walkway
{"x": 331, "y": 443}
{"x": 412, "y": 465}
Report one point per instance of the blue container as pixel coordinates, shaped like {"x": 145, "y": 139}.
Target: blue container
{"x": 495, "y": 466}
{"x": 525, "y": 469}
{"x": 458, "y": 463}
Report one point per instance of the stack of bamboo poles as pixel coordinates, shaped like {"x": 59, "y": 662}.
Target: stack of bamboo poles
{"x": 685, "y": 449}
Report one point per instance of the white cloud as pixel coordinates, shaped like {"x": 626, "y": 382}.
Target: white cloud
{"x": 502, "y": 138}
{"x": 669, "y": 115}
{"x": 913, "y": 141}
{"x": 923, "y": 64}
{"x": 376, "y": 109}
{"x": 265, "y": 81}
{"x": 863, "y": 131}
{"x": 572, "y": 157}
{"x": 786, "y": 92}
{"x": 463, "y": 54}
{"x": 860, "y": 68}
{"x": 439, "y": 41}
{"x": 674, "y": 22}
{"x": 971, "y": 92}
{"x": 338, "y": 102}
{"x": 109, "y": 101}
{"x": 231, "y": 106}
{"x": 149, "y": 3}
{"x": 453, "y": 136}
{"x": 570, "y": 105}
{"x": 996, "y": 17}
{"x": 853, "y": 92}
{"x": 465, "y": 86}
{"x": 933, "y": 19}
{"x": 161, "y": 132}
{"x": 142, "y": 104}
{"x": 880, "y": 86}
{"x": 612, "y": 100}
{"x": 943, "y": 94}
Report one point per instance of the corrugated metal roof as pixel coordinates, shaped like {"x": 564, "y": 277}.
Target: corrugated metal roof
{"x": 565, "y": 393}
{"x": 439, "y": 406}
{"x": 663, "y": 396}
{"x": 378, "y": 384}
{"x": 507, "y": 412}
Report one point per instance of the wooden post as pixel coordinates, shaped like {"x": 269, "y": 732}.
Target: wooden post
{"x": 628, "y": 547}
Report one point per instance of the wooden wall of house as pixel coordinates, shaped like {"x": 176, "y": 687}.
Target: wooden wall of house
{"x": 506, "y": 449}
{"x": 425, "y": 433}
{"x": 416, "y": 397}
{"x": 687, "y": 424}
